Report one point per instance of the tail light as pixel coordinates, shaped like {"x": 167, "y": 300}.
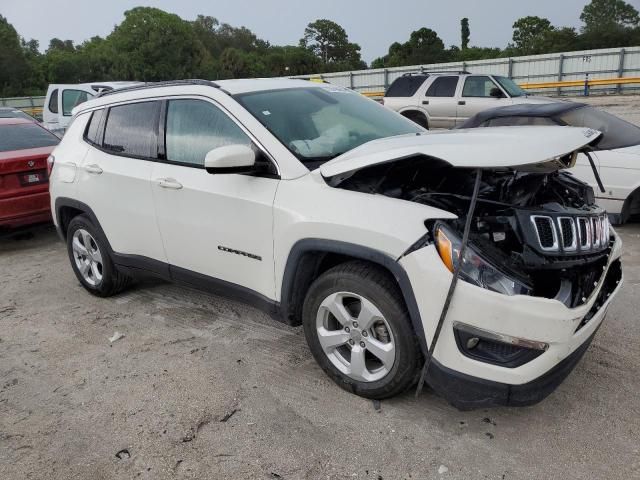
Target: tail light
{"x": 50, "y": 161}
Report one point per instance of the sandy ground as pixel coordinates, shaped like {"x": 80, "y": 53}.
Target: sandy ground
{"x": 202, "y": 387}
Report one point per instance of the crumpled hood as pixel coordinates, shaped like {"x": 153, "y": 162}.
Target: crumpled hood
{"x": 535, "y": 148}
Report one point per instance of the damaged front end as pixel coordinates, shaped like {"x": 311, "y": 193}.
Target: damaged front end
{"x": 536, "y": 230}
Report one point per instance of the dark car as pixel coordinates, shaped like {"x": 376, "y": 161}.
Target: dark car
{"x": 24, "y": 180}
{"x": 616, "y": 154}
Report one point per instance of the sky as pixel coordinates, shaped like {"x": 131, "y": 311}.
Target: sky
{"x": 373, "y": 24}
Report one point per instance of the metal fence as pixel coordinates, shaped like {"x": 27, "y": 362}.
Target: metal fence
{"x": 556, "y": 67}
{"x": 533, "y": 69}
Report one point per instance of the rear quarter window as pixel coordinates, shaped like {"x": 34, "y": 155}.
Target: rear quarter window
{"x": 95, "y": 128}
{"x": 405, "y": 86}
{"x": 26, "y": 135}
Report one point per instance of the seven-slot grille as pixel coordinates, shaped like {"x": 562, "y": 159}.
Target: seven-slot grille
{"x": 569, "y": 234}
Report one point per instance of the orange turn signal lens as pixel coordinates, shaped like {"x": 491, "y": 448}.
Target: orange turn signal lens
{"x": 445, "y": 248}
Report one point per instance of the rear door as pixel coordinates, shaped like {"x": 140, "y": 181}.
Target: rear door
{"x": 440, "y": 102}
{"x": 476, "y": 96}
{"x": 115, "y": 174}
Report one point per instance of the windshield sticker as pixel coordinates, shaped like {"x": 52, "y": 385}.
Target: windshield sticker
{"x": 266, "y": 112}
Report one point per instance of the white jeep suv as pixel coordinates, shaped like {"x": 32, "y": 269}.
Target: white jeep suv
{"x": 330, "y": 211}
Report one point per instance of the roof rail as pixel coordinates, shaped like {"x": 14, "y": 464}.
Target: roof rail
{"x": 168, "y": 83}
{"x": 428, "y": 72}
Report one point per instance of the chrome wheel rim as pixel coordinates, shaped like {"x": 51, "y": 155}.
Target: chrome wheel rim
{"x": 87, "y": 256}
{"x": 355, "y": 336}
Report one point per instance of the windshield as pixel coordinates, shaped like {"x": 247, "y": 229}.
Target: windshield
{"x": 25, "y": 135}
{"x": 511, "y": 87}
{"x": 318, "y": 124}
{"x": 616, "y": 133}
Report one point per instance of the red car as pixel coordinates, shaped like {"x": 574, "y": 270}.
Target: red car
{"x": 24, "y": 179}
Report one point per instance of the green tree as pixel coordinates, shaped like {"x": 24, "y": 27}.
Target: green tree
{"x": 465, "y": 33}
{"x": 529, "y": 34}
{"x": 601, "y": 15}
{"x": 424, "y": 46}
{"x": 151, "y": 44}
{"x": 13, "y": 65}
{"x": 329, "y": 42}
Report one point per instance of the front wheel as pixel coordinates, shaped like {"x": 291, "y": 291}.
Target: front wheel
{"x": 358, "y": 330}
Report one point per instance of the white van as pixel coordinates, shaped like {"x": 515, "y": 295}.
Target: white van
{"x": 61, "y": 98}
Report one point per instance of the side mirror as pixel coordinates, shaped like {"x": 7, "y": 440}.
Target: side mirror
{"x": 496, "y": 93}
{"x": 230, "y": 159}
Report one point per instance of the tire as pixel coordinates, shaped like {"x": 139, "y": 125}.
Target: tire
{"x": 368, "y": 294}
{"x": 418, "y": 118}
{"x": 91, "y": 261}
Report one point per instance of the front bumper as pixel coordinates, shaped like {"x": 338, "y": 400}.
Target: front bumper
{"x": 532, "y": 318}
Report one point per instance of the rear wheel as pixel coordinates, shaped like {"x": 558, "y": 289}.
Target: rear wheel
{"x": 358, "y": 330}
{"x": 90, "y": 259}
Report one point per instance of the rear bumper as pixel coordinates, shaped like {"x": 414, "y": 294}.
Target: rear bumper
{"x": 25, "y": 210}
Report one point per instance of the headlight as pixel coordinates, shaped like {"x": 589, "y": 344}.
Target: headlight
{"x": 474, "y": 268}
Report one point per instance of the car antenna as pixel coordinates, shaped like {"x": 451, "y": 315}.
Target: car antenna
{"x": 595, "y": 171}
{"x": 452, "y": 285}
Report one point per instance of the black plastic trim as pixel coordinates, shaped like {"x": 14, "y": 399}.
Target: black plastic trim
{"x": 356, "y": 251}
{"x": 141, "y": 266}
{"x": 466, "y": 392}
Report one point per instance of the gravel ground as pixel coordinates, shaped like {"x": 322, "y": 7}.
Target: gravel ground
{"x": 202, "y": 387}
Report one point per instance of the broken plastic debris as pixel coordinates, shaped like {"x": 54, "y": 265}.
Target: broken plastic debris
{"x": 116, "y": 336}
{"x": 442, "y": 469}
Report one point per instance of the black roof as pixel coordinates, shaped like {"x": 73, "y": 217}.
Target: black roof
{"x": 547, "y": 110}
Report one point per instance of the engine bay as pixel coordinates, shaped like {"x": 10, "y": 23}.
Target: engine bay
{"x": 542, "y": 229}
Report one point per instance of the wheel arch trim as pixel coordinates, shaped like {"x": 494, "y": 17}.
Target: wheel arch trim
{"x": 308, "y": 245}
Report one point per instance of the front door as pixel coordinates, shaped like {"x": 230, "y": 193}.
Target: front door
{"x": 216, "y": 225}
{"x": 476, "y": 97}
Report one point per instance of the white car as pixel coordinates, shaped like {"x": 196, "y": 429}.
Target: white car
{"x": 446, "y": 99}
{"x": 331, "y": 211}
{"x": 616, "y": 154}
{"x": 62, "y": 98}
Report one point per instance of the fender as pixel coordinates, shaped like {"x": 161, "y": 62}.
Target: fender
{"x": 356, "y": 251}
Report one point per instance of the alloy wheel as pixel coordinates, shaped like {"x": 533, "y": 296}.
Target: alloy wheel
{"x": 87, "y": 256}
{"x": 355, "y": 336}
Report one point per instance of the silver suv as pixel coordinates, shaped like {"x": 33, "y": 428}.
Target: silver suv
{"x": 447, "y": 99}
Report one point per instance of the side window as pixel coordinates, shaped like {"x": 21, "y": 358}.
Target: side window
{"x": 518, "y": 121}
{"x": 478, "y": 87}
{"x": 405, "y": 86}
{"x": 132, "y": 129}
{"x": 194, "y": 127}
{"x": 443, "y": 87}
{"x": 71, "y": 98}
{"x": 94, "y": 131}
{"x": 53, "y": 101}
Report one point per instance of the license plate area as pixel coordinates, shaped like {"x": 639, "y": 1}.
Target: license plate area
{"x": 36, "y": 177}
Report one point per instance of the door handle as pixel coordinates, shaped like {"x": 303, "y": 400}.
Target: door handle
{"x": 93, "y": 168}
{"x": 462, "y": 102}
{"x": 169, "y": 183}
{"x": 425, "y": 102}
